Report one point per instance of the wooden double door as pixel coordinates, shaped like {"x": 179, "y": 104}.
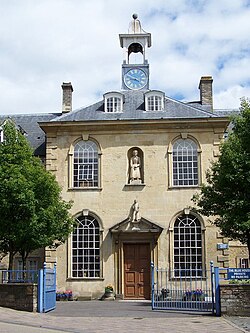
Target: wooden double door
{"x": 137, "y": 270}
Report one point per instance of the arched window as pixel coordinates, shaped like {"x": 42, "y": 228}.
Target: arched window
{"x": 187, "y": 246}
{"x": 86, "y": 164}
{"x": 135, "y": 54}
{"x": 185, "y": 163}
{"x": 86, "y": 248}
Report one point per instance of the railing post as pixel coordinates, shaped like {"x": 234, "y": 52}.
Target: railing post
{"x": 4, "y": 277}
{"x": 55, "y": 282}
{"x": 152, "y": 285}
{"x": 212, "y": 284}
{"x": 44, "y": 286}
{"x": 40, "y": 291}
{"x": 55, "y": 274}
{"x": 217, "y": 291}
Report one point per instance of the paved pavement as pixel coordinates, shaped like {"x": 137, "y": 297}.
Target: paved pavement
{"x": 16, "y": 328}
{"x": 116, "y": 316}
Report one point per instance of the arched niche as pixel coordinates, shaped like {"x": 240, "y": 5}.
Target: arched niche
{"x": 135, "y": 166}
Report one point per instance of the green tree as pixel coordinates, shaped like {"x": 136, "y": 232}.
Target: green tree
{"x": 226, "y": 196}
{"x": 32, "y": 213}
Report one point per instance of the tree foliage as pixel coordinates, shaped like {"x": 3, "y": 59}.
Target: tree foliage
{"x": 226, "y": 196}
{"x": 32, "y": 213}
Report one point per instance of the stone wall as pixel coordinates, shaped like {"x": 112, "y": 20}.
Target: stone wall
{"x": 19, "y": 296}
{"x": 235, "y": 299}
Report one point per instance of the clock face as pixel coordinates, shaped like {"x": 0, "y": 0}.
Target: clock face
{"x": 135, "y": 79}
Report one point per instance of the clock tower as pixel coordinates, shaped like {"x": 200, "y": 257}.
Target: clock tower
{"x": 135, "y": 76}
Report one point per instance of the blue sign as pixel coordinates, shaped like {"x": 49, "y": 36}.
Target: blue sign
{"x": 238, "y": 273}
{"x": 222, "y": 246}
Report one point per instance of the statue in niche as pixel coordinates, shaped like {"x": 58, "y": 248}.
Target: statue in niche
{"x": 135, "y": 215}
{"x": 135, "y": 165}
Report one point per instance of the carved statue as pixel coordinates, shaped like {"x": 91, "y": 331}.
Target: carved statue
{"x": 135, "y": 215}
{"x": 135, "y": 164}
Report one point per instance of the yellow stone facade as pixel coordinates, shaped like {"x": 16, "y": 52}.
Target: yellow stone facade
{"x": 159, "y": 201}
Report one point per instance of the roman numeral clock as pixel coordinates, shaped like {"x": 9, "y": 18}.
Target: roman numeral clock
{"x": 135, "y": 76}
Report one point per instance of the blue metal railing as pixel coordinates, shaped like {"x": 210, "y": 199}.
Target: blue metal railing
{"x": 45, "y": 279}
{"x": 173, "y": 290}
{"x": 186, "y": 290}
{"x": 19, "y": 276}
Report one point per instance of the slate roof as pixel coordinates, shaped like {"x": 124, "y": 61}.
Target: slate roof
{"x": 226, "y": 112}
{"x": 34, "y": 134}
{"x": 134, "y": 109}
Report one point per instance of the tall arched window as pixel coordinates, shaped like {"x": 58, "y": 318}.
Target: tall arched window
{"x": 86, "y": 166}
{"x": 187, "y": 246}
{"x": 86, "y": 248}
{"x": 185, "y": 163}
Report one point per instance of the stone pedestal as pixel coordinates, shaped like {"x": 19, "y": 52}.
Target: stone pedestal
{"x": 135, "y": 182}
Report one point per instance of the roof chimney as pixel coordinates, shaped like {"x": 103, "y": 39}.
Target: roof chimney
{"x": 67, "y": 97}
{"x": 206, "y": 91}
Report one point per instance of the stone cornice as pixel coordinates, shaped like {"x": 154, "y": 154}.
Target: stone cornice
{"x": 140, "y": 125}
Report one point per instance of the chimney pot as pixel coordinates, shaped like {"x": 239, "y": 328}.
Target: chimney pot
{"x": 67, "y": 97}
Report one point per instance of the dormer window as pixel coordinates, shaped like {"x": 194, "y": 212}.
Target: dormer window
{"x": 1, "y": 135}
{"x": 113, "y": 102}
{"x": 154, "y": 101}
{"x": 18, "y": 128}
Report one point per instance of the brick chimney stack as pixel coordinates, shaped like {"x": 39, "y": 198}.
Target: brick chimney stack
{"x": 206, "y": 91}
{"x": 67, "y": 97}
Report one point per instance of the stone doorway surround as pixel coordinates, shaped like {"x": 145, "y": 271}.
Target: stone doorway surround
{"x": 125, "y": 233}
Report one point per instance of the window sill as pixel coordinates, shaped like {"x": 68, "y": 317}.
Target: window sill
{"x": 183, "y": 278}
{"x": 148, "y": 111}
{"x": 113, "y": 111}
{"x": 85, "y": 278}
{"x": 85, "y": 189}
{"x": 184, "y": 187}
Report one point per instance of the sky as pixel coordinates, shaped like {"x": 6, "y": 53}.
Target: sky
{"x": 44, "y": 43}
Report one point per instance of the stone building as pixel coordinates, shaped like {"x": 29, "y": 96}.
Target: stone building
{"x": 131, "y": 163}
